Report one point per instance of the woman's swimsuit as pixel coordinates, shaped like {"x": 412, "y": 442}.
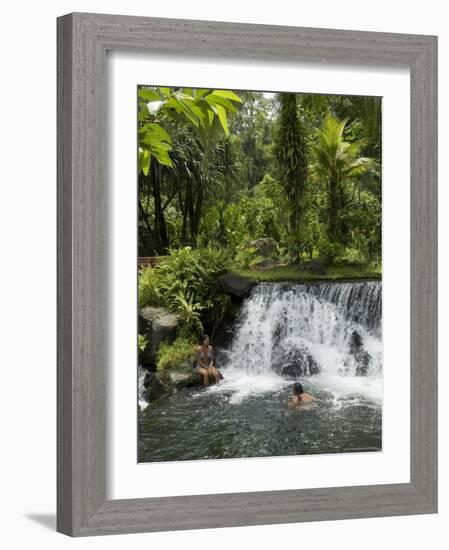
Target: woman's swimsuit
{"x": 202, "y": 357}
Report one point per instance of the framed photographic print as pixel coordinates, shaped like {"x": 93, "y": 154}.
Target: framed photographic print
{"x": 260, "y": 273}
{"x": 247, "y": 274}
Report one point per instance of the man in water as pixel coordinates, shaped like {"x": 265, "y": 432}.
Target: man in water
{"x": 299, "y": 397}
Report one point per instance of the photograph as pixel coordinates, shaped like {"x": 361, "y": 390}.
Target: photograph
{"x": 259, "y": 273}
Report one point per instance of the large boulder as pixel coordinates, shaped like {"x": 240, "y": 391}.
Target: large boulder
{"x": 362, "y": 360}
{"x": 295, "y": 361}
{"x": 158, "y": 325}
{"x": 265, "y": 247}
{"x": 236, "y": 285}
{"x": 361, "y": 357}
{"x": 182, "y": 380}
{"x": 160, "y": 384}
{"x": 156, "y": 386}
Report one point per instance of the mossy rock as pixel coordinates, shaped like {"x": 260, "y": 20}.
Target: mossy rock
{"x": 185, "y": 379}
{"x": 266, "y": 247}
{"x": 156, "y": 386}
{"x": 164, "y": 383}
{"x": 236, "y": 285}
{"x": 157, "y": 325}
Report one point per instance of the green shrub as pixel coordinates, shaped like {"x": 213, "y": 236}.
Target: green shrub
{"x": 192, "y": 271}
{"x": 187, "y": 284}
{"x": 254, "y": 263}
{"x": 142, "y": 342}
{"x": 189, "y": 313}
{"x": 177, "y": 356}
{"x": 148, "y": 287}
{"x": 351, "y": 256}
{"x": 328, "y": 251}
{"x": 212, "y": 229}
{"x": 246, "y": 254}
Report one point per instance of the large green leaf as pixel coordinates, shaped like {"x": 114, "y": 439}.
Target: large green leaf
{"x": 200, "y": 113}
{"x": 211, "y": 116}
{"x": 200, "y": 92}
{"x": 143, "y": 114}
{"x": 221, "y": 113}
{"x": 207, "y": 115}
{"x": 191, "y": 108}
{"x": 156, "y": 129}
{"x": 213, "y": 99}
{"x": 165, "y": 91}
{"x": 149, "y": 95}
{"x": 152, "y": 143}
{"x": 163, "y": 158}
{"x": 144, "y": 161}
{"x": 227, "y": 94}
{"x": 182, "y": 107}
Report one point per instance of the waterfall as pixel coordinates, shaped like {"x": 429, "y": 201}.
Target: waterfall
{"x": 360, "y": 302}
{"x": 141, "y": 390}
{"x": 326, "y": 332}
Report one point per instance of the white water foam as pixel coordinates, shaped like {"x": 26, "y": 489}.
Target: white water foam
{"x": 143, "y": 404}
{"x": 306, "y": 328}
{"x": 240, "y": 384}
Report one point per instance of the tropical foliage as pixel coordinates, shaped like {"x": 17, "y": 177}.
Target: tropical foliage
{"x": 179, "y": 355}
{"x": 187, "y": 284}
{"x": 338, "y": 163}
{"x": 179, "y": 158}
{"x": 291, "y": 157}
{"x": 221, "y": 169}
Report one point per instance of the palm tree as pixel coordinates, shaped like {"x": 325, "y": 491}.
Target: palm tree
{"x": 336, "y": 162}
{"x": 199, "y": 174}
{"x": 367, "y": 110}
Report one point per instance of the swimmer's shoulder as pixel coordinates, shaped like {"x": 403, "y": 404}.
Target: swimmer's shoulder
{"x": 308, "y": 397}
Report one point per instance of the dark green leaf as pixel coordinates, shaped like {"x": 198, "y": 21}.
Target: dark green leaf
{"x": 228, "y": 95}
{"x": 149, "y": 95}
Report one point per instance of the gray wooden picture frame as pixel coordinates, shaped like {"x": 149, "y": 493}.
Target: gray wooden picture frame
{"x": 83, "y": 40}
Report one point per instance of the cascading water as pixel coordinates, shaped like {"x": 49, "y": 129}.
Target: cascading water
{"x": 141, "y": 391}
{"x": 361, "y": 301}
{"x": 331, "y": 331}
{"x": 328, "y": 335}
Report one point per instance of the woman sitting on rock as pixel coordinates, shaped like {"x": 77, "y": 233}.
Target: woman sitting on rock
{"x": 205, "y": 364}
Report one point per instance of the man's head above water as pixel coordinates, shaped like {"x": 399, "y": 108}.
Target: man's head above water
{"x": 298, "y": 389}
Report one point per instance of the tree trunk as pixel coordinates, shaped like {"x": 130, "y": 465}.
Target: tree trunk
{"x": 160, "y": 227}
{"x": 333, "y": 209}
{"x": 145, "y": 242}
{"x": 195, "y": 222}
